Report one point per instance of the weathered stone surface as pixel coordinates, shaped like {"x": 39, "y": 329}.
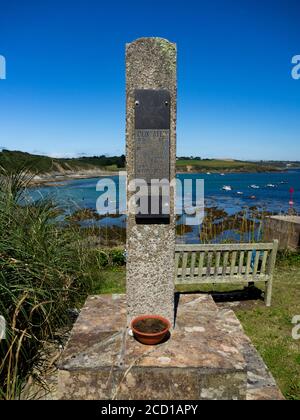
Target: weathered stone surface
{"x": 207, "y": 357}
{"x": 150, "y": 64}
{"x": 110, "y": 375}
{"x": 201, "y": 360}
{"x": 96, "y": 337}
{"x": 260, "y": 382}
{"x": 198, "y": 329}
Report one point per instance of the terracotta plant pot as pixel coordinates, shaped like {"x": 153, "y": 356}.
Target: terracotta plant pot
{"x": 141, "y": 328}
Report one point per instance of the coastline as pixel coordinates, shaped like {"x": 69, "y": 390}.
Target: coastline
{"x": 59, "y": 178}
{"x": 230, "y": 171}
{"x": 53, "y": 180}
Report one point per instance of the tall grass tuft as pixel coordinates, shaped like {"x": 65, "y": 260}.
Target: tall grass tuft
{"x": 244, "y": 226}
{"x": 44, "y": 270}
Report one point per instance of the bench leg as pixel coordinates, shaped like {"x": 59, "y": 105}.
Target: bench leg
{"x": 268, "y": 292}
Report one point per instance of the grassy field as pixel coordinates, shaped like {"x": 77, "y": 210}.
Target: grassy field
{"x": 12, "y": 160}
{"x": 221, "y": 165}
{"x": 45, "y": 164}
{"x": 270, "y": 329}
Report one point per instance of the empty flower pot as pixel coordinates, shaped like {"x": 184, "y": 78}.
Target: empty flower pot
{"x": 150, "y": 329}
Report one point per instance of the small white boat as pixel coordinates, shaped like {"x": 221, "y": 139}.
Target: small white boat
{"x": 222, "y": 174}
{"x": 271, "y": 185}
{"x": 226, "y": 188}
{"x": 208, "y": 173}
{"x": 254, "y": 187}
{"x": 240, "y": 192}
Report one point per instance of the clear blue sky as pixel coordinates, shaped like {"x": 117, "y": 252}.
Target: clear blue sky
{"x": 65, "y": 87}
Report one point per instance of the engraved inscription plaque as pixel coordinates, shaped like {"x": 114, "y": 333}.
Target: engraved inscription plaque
{"x": 152, "y": 154}
{"x": 152, "y": 143}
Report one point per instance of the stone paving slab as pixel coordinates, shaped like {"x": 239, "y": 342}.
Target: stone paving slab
{"x": 207, "y": 357}
{"x": 260, "y": 383}
{"x": 197, "y": 341}
{"x": 97, "y": 334}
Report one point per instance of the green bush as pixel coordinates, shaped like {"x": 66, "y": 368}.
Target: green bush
{"x": 286, "y": 257}
{"x": 114, "y": 257}
{"x": 118, "y": 257}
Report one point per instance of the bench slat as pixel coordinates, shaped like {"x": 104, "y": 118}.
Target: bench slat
{"x": 213, "y": 273}
{"x": 233, "y": 261}
{"x": 239, "y": 279}
{"x": 248, "y": 265}
{"x": 225, "y": 247}
{"x": 225, "y": 262}
{"x": 241, "y": 262}
{"x": 177, "y": 257}
{"x": 201, "y": 261}
{"x": 217, "y": 265}
{"x": 193, "y": 261}
{"x": 209, "y": 261}
{"x": 264, "y": 262}
{"x": 256, "y": 261}
{"x": 184, "y": 264}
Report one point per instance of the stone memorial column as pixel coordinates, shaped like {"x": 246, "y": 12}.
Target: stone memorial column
{"x": 151, "y": 92}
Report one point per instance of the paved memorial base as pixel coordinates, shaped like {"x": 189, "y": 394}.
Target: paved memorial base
{"x": 208, "y": 356}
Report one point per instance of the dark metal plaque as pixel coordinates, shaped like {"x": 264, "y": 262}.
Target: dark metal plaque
{"x": 152, "y": 142}
{"x": 152, "y": 109}
{"x": 152, "y": 154}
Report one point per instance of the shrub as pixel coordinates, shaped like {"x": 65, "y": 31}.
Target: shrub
{"x": 44, "y": 270}
{"x": 118, "y": 257}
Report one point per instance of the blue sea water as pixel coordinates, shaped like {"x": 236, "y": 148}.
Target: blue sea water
{"x": 76, "y": 194}
{"x": 275, "y": 200}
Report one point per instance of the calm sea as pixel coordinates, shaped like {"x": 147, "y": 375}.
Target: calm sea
{"x": 76, "y": 194}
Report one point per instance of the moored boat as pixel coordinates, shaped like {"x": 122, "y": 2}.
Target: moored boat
{"x": 226, "y": 188}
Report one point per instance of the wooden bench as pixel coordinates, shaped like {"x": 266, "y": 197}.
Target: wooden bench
{"x": 227, "y": 263}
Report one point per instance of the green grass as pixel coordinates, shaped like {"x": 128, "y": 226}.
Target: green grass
{"x": 270, "y": 329}
{"x": 213, "y": 163}
{"x": 221, "y": 165}
{"x": 44, "y": 164}
{"x": 12, "y": 160}
{"x": 111, "y": 280}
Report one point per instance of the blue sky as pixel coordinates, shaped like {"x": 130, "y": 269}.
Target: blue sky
{"x": 65, "y": 87}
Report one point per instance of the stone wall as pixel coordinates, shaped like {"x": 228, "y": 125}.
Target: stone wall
{"x": 284, "y": 228}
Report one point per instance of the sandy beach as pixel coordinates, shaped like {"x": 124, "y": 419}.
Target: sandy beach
{"x": 57, "y": 179}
